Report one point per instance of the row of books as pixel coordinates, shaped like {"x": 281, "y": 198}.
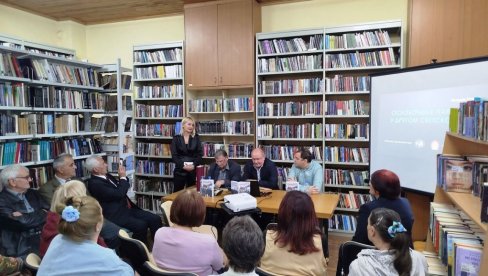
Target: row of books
{"x": 45, "y": 70}
{"x": 155, "y": 167}
{"x": 150, "y": 203}
{"x": 111, "y": 103}
{"x": 105, "y": 123}
{"x": 152, "y": 185}
{"x": 159, "y": 72}
{"x": 34, "y": 123}
{"x": 290, "y": 86}
{"x": 346, "y": 108}
{"x": 285, "y": 153}
{"x": 159, "y": 111}
{"x": 355, "y": 40}
{"x": 227, "y": 127}
{"x": 235, "y": 150}
{"x": 221, "y": 105}
{"x": 111, "y": 144}
{"x": 109, "y": 81}
{"x": 41, "y": 175}
{"x": 291, "y": 108}
{"x": 9, "y": 125}
{"x": 347, "y": 131}
{"x": 12, "y": 94}
{"x": 51, "y": 97}
{"x": 353, "y": 200}
{"x": 290, "y": 64}
{"x": 165, "y": 130}
{"x": 296, "y": 44}
{"x": 343, "y": 223}
{"x": 9, "y": 66}
{"x": 340, "y": 83}
{"x": 48, "y": 52}
{"x": 456, "y": 239}
{"x": 153, "y": 149}
{"x": 346, "y": 154}
{"x": 163, "y": 55}
{"x": 345, "y": 177}
{"x": 472, "y": 119}
{"x": 160, "y": 91}
{"x": 363, "y": 59}
{"x": 309, "y": 131}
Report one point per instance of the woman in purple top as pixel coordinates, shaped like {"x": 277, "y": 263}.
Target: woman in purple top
{"x": 179, "y": 248}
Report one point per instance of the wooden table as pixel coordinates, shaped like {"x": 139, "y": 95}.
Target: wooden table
{"x": 325, "y": 203}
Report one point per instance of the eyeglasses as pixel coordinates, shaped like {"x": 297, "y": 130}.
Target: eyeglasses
{"x": 28, "y": 178}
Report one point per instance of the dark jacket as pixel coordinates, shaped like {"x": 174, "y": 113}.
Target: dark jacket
{"x": 400, "y": 205}
{"x": 20, "y": 235}
{"x": 234, "y": 173}
{"x": 181, "y": 153}
{"x": 269, "y": 174}
{"x": 47, "y": 189}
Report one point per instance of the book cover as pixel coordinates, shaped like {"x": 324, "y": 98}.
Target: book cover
{"x": 458, "y": 175}
{"x": 453, "y": 120}
{"x": 240, "y": 187}
{"x": 468, "y": 260}
{"x": 292, "y": 186}
{"x": 207, "y": 187}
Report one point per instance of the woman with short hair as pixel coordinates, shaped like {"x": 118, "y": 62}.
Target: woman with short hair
{"x": 179, "y": 248}
{"x": 295, "y": 246}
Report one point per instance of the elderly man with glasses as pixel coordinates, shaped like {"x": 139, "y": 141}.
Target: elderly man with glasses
{"x": 22, "y": 213}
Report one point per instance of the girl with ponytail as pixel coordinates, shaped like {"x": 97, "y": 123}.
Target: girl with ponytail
{"x": 392, "y": 255}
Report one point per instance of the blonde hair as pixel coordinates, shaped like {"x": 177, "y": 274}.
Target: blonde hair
{"x": 183, "y": 122}
{"x": 69, "y": 189}
{"x": 90, "y": 215}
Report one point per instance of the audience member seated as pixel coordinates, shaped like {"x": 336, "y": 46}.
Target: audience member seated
{"x": 64, "y": 170}
{"x": 10, "y": 265}
{"x": 223, "y": 171}
{"x": 307, "y": 172}
{"x": 72, "y": 188}
{"x": 178, "y": 248}
{"x": 243, "y": 245}
{"x": 74, "y": 251}
{"x": 116, "y": 206}
{"x": 385, "y": 187}
{"x": 392, "y": 255}
{"x": 295, "y": 246}
{"x": 22, "y": 213}
{"x": 262, "y": 169}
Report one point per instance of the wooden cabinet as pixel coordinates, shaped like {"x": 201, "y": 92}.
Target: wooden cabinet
{"x": 447, "y": 30}
{"x": 219, "y": 40}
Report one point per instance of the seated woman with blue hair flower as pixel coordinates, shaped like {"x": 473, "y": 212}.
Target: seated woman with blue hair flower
{"x": 74, "y": 251}
{"x": 392, "y": 255}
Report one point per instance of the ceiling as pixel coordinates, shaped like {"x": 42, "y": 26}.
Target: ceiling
{"x": 104, "y": 11}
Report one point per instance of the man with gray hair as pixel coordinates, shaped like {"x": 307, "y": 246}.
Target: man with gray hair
{"x": 243, "y": 244}
{"x": 22, "y": 213}
{"x": 223, "y": 171}
{"x": 64, "y": 170}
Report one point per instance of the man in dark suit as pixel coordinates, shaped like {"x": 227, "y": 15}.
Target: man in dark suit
{"x": 116, "y": 206}
{"x": 64, "y": 170}
{"x": 223, "y": 171}
{"x": 262, "y": 169}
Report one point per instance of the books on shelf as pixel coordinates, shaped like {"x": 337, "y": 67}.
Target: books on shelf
{"x": 290, "y": 64}
{"x": 340, "y": 83}
{"x": 225, "y": 127}
{"x": 159, "y": 72}
{"x": 345, "y": 177}
{"x": 165, "y": 91}
{"x": 291, "y": 45}
{"x": 285, "y": 153}
{"x": 109, "y": 81}
{"x": 341, "y": 222}
{"x": 358, "y": 40}
{"x": 154, "y": 167}
{"x": 159, "y": 55}
{"x": 295, "y": 131}
{"x": 153, "y": 149}
{"x": 159, "y": 111}
{"x": 290, "y": 86}
{"x": 221, "y": 105}
{"x": 291, "y": 108}
{"x": 234, "y": 150}
{"x": 165, "y": 130}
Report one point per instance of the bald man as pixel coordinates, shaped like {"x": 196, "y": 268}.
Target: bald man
{"x": 261, "y": 169}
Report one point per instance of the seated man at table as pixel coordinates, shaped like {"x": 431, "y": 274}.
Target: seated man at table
{"x": 262, "y": 169}
{"x": 223, "y": 171}
{"x": 307, "y": 172}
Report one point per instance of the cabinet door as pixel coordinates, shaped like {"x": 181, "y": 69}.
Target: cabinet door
{"x": 235, "y": 43}
{"x": 201, "y": 46}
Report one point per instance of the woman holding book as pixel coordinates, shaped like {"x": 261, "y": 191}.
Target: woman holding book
{"x": 186, "y": 153}
{"x": 294, "y": 247}
{"x": 386, "y": 189}
{"x": 392, "y": 255}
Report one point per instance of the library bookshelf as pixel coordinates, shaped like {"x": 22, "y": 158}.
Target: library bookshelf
{"x": 313, "y": 90}
{"x": 48, "y": 99}
{"x": 158, "y": 82}
{"x": 457, "y": 144}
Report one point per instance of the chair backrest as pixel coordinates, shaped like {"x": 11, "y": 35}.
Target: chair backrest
{"x": 152, "y": 270}
{"x": 166, "y": 207}
{"x": 134, "y": 251}
{"x": 263, "y": 272}
{"x": 32, "y": 262}
{"x": 348, "y": 252}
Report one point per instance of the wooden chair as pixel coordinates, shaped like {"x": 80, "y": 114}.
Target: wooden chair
{"x": 204, "y": 229}
{"x": 134, "y": 251}
{"x": 153, "y": 270}
{"x": 32, "y": 263}
{"x": 348, "y": 252}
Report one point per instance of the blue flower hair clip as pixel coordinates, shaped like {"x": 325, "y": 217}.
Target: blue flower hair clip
{"x": 70, "y": 214}
{"x": 397, "y": 227}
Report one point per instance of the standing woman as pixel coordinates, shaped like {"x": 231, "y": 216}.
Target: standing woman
{"x": 186, "y": 153}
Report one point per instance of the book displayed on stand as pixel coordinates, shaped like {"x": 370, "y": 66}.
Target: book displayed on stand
{"x": 159, "y": 98}
{"x": 313, "y": 91}
{"x": 48, "y": 98}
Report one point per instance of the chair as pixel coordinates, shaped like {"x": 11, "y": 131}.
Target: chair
{"x": 348, "y": 252}
{"x": 263, "y": 272}
{"x": 204, "y": 229}
{"x": 153, "y": 270}
{"x": 134, "y": 251}
{"x": 32, "y": 263}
